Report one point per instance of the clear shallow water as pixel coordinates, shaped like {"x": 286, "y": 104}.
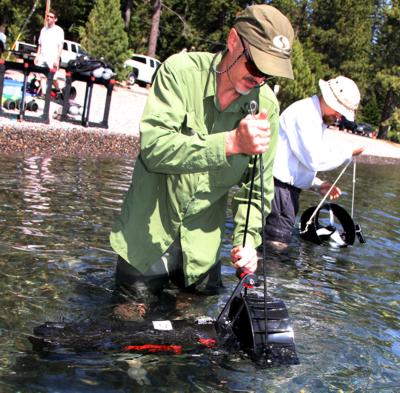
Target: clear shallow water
{"x": 56, "y": 264}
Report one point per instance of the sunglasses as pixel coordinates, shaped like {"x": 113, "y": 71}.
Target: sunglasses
{"x": 251, "y": 66}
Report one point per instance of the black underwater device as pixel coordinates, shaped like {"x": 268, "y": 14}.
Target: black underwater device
{"x": 241, "y": 326}
{"x": 251, "y": 321}
{"x": 340, "y": 229}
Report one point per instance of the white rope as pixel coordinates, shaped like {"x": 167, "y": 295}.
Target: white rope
{"x": 324, "y": 199}
{"x": 354, "y": 187}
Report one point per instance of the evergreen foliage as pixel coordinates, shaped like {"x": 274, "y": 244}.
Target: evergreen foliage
{"x": 72, "y": 16}
{"x": 304, "y": 83}
{"x": 104, "y": 35}
{"x": 388, "y": 78}
{"x": 341, "y": 31}
{"x": 139, "y": 27}
{"x": 13, "y": 14}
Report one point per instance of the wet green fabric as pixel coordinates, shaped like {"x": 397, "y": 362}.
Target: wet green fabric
{"x": 182, "y": 176}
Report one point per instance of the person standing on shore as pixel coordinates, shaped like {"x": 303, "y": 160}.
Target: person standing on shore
{"x": 50, "y": 46}
{"x": 302, "y": 152}
{"x": 197, "y": 140}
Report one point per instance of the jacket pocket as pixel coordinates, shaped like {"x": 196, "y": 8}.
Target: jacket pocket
{"x": 231, "y": 175}
{"x": 193, "y": 125}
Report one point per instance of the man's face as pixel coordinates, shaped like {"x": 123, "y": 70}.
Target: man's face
{"x": 245, "y": 75}
{"x": 50, "y": 19}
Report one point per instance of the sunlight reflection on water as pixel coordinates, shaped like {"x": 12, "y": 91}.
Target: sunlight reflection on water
{"x": 56, "y": 263}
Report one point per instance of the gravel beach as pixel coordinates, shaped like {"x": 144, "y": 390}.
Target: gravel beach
{"x": 121, "y": 139}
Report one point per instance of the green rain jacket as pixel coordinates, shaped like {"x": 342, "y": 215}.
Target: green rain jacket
{"x": 182, "y": 176}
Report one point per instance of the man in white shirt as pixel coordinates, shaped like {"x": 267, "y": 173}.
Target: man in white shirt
{"x": 50, "y": 46}
{"x": 302, "y": 152}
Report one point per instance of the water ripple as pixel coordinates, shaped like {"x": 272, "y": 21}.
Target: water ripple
{"x": 56, "y": 264}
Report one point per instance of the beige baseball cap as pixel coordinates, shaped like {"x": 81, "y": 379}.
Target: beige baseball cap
{"x": 270, "y": 38}
{"x": 342, "y": 95}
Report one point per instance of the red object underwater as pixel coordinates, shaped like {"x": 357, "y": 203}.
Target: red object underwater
{"x": 241, "y": 326}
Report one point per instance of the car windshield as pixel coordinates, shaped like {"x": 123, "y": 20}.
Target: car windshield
{"x": 139, "y": 59}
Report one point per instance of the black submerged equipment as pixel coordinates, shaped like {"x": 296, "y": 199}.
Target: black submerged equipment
{"x": 260, "y": 323}
{"x": 114, "y": 335}
{"x": 243, "y": 319}
{"x": 240, "y": 327}
{"x": 338, "y": 228}
{"x": 250, "y": 321}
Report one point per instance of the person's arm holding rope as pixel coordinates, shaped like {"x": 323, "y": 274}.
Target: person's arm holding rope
{"x": 244, "y": 256}
{"x": 323, "y": 187}
{"x": 252, "y": 139}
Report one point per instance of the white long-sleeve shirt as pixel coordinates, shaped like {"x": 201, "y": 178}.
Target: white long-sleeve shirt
{"x": 302, "y": 151}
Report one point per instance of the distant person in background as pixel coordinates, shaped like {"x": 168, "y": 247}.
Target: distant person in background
{"x": 302, "y": 152}
{"x": 50, "y": 46}
{"x": 3, "y": 39}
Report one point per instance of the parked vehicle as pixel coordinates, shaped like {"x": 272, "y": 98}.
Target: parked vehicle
{"x": 364, "y": 129}
{"x": 23, "y": 49}
{"x": 347, "y": 125}
{"x": 143, "y": 69}
{"x": 71, "y": 50}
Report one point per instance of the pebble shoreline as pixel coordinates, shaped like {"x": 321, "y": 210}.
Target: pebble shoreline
{"x": 121, "y": 139}
{"x": 67, "y": 139}
{"x": 45, "y": 140}
{"x": 75, "y": 142}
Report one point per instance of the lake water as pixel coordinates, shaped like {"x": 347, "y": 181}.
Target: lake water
{"x": 56, "y": 264}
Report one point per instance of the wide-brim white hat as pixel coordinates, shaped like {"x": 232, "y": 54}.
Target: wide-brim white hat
{"x": 342, "y": 95}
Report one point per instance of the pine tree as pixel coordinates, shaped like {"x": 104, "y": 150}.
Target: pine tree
{"x": 388, "y": 57}
{"x": 72, "y": 15}
{"x": 139, "y": 27}
{"x": 341, "y": 31}
{"x": 14, "y": 16}
{"x": 104, "y": 35}
{"x": 304, "y": 83}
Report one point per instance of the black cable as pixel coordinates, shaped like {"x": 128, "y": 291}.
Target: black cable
{"x": 263, "y": 245}
{"x": 253, "y": 173}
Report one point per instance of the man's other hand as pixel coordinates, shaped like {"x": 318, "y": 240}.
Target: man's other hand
{"x": 334, "y": 194}
{"x": 358, "y": 151}
{"x": 252, "y": 136}
{"x": 244, "y": 258}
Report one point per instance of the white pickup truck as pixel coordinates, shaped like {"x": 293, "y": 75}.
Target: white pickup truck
{"x": 71, "y": 50}
{"x": 142, "y": 69}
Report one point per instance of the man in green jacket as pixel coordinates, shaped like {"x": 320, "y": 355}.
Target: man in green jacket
{"x": 197, "y": 140}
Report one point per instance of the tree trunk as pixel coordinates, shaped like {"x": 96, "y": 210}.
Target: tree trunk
{"x": 155, "y": 22}
{"x": 387, "y": 111}
{"x": 48, "y": 7}
{"x": 128, "y": 13}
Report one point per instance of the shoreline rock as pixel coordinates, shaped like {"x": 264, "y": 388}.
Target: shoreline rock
{"x": 73, "y": 142}
{"x": 121, "y": 139}
{"x": 47, "y": 140}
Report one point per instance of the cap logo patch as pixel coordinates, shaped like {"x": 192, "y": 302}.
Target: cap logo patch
{"x": 281, "y": 44}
